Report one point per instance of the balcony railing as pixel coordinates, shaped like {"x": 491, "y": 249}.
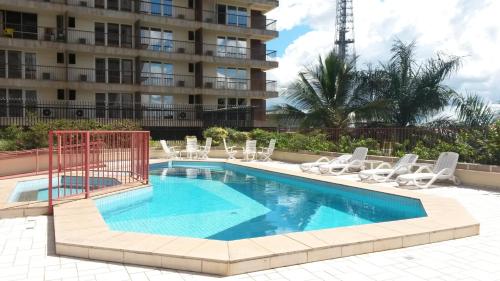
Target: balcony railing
{"x": 239, "y": 20}
{"x": 135, "y": 6}
{"x": 238, "y": 52}
{"x": 28, "y": 112}
{"x": 117, "y": 76}
{"x": 83, "y": 37}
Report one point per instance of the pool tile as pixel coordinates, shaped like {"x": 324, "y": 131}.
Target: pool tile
{"x": 211, "y": 250}
{"x": 181, "y": 263}
{"x": 249, "y": 266}
{"x": 324, "y": 254}
{"x": 245, "y": 249}
{"x": 288, "y": 259}
{"x": 357, "y": 249}
{"x": 106, "y": 254}
{"x": 142, "y": 259}
{"x": 280, "y": 244}
{"x": 179, "y": 246}
{"x": 217, "y": 268}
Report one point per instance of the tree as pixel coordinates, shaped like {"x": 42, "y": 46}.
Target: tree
{"x": 330, "y": 94}
{"x": 472, "y": 110}
{"x": 414, "y": 91}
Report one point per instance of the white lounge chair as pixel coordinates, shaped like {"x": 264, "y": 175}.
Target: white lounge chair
{"x": 170, "y": 152}
{"x": 250, "y": 150}
{"x": 229, "y": 150}
{"x": 191, "y": 150}
{"x": 443, "y": 169}
{"x": 385, "y": 171}
{"x": 305, "y": 167}
{"x": 266, "y": 152}
{"x": 355, "y": 162}
{"x": 203, "y": 152}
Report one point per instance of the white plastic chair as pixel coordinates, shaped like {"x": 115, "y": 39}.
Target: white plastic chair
{"x": 305, "y": 167}
{"x": 250, "y": 150}
{"x": 384, "y": 171}
{"x": 229, "y": 150}
{"x": 443, "y": 169}
{"x": 266, "y": 152}
{"x": 203, "y": 152}
{"x": 355, "y": 162}
{"x": 169, "y": 151}
{"x": 191, "y": 150}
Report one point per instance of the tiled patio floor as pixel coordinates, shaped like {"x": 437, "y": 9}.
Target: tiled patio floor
{"x": 27, "y": 253}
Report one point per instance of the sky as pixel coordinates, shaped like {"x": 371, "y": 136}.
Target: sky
{"x": 466, "y": 28}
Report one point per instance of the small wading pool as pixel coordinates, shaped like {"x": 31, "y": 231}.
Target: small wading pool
{"x": 223, "y": 201}
{"x": 37, "y": 190}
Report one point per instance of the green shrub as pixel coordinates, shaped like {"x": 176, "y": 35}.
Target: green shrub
{"x": 36, "y": 136}
{"x": 216, "y": 133}
{"x": 262, "y": 137}
{"x": 237, "y": 137}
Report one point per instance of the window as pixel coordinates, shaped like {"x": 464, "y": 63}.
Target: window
{"x": 99, "y": 33}
{"x": 113, "y": 34}
{"x": 127, "y": 72}
{"x": 71, "y": 58}
{"x": 232, "y": 15}
{"x": 113, "y": 70}
{"x": 14, "y": 64}
{"x": 190, "y": 35}
{"x": 221, "y": 102}
{"x": 158, "y": 106}
{"x": 60, "y": 57}
{"x": 191, "y": 4}
{"x": 30, "y": 66}
{"x": 71, "y": 95}
{"x": 191, "y": 67}
{"x": 113, "y": 4}
{"x": 156, "y": 39}
{"x": 100, "y": 70}
{"x": 3, "y": 62}
{"x": 157, "y": 73}
{"x": 114, "y": 105}
{"x": 232, "y": 78}
{"x": 126, "y": 35}
{"x": 157, "y": 7}
{"x": 17, "y": 102}
{"x": 60, "y": 94}
{"x": 71, "y": 22}
{"x": 25, "y": 25}
{"x": 232, "y": 47}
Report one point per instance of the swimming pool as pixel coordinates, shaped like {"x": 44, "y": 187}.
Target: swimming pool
{"x": 37, "y": 190}
{"x": 224, "y": 201}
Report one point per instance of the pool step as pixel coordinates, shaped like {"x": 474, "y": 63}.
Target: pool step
{"x": 31, "y": 195}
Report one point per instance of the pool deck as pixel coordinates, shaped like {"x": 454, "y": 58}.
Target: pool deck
{"x": 27, "y": 252}
{"x": 80, "y": 231}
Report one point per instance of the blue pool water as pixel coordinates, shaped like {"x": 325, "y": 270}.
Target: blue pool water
{"x": 228, "y": 202}
{"x": 37, "y": 190}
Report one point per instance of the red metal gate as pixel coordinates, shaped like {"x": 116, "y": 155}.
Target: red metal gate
{"x": 81, "y": 162}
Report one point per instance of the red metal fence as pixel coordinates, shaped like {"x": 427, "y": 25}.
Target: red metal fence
{"x": 81, "y": 162}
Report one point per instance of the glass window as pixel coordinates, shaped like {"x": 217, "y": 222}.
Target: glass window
{"x": 168, "y": 44}
{"x": 3, "y": 102}
{"x": 156, "y": 41}
{"x": 14, "y": 64}
{"x": 221, "y": 102}
{"x": 100, "y": 70}
{"x": 2, "y": 64}
{"x": 99, "y": 33}
{"x": 113, "y": 70}
{"x": 242, "y": 17}
{"x": 114, "y": 105}
{"x": 145, "y": 73}
{"x": 168, "y": 71}
{"x": 113, "y": 34}
{"x": 30, "y": 65}
{"x": 156, "y": 7}
{"x": 71, "y": 58}
{"x": 145, "y": 37}
{"x": 232, "y": 15}
{"x": 167, "y": 8}
{"x": 127, "y": 72}
{"x": 113, "y": 4}
{"x": 15, "y": 102}
{"x": 126, "y": 36}
{"x": 100, "y": 104}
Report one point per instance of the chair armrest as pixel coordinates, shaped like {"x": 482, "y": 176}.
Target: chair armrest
{"x": 383, "y": 165}
{"x": 422, "y": 168}
{"x": 323, "y": 160}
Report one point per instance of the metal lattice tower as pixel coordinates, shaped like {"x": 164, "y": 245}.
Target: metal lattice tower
{"x": 344, "y": 30}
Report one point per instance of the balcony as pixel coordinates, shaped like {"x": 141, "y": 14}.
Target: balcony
{"x": 165, "y": 10}
{"x": 117, "y": 76}
{"x": 154, "y": 44}
{"x": 239, "y": 52}
{"x": 29, "y": 112}
{"x": 238, "y": 20}
{"x": 226, "y": 83}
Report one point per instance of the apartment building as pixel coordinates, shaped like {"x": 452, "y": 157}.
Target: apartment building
{"x": 163, "y": 63}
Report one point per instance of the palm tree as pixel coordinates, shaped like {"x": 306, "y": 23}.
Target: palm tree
{"x": 414, "y": 91}
{"x": 472, "y": 110}
{"x": 330, "y": 94}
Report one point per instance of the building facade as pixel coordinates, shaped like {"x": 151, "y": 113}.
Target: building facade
{"x": 162, "y": 63}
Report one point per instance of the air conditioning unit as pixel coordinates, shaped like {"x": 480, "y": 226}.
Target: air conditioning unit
{"x": 181, "y": 50}
{"x": 47, "y": 112}
{"x": 82, "y": 41}
{"x": 181, "y": 83}
{"x": 209, "y": 53}
{"x": 182, "y": 115}
{"x": 83, "y": 77}
{"x": 209, "y": 85}
{"x": 46, "y": 75}
{"x": 79, "y": 113}
{"x": 83, "y": 3}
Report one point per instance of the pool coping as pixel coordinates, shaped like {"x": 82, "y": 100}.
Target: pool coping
{"x": 80, "y": 231}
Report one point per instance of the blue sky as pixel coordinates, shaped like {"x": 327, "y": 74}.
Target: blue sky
{"x": 465, "y": 28}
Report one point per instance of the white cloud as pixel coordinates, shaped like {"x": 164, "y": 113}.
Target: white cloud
{"x": 460, "y": 27}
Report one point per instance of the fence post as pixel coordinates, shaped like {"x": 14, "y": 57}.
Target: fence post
{"x": 51, "y": 154}
{"x": 87, "y": 152}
